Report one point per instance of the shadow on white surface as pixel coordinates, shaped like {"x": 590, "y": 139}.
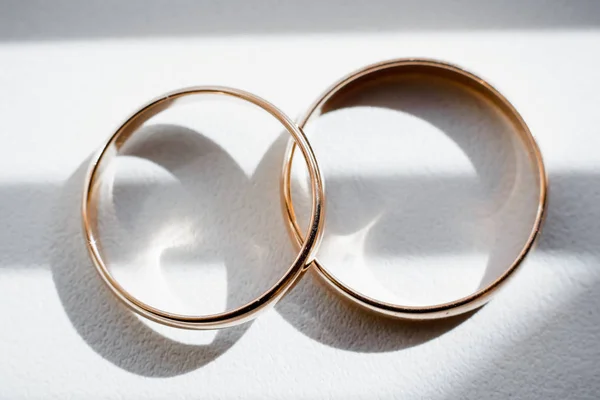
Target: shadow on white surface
{"x": 207, "y": 218}
{"x": 438, "y": 199}
{"x": 407, "y": 217}
{"x": 74, "y": 20}
{"x": 555, "y": 354}
{"x": 538, "y": 361}
{"x": 101, "y": 320}
{"x": 143, "y": 208}
{"x": 544, "y": 348}
{"x": 317, "y": 311}
{"x": 545, "y": 363}
{"x": 115, "y": 333}
{"x": 219, "y": 198}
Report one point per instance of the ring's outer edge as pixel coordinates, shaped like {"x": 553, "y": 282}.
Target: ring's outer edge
{"x": 247, "y": 311}
{"x": 443, "y": 310}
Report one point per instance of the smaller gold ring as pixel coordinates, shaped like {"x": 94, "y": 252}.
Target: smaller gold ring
{"x": 245, "y": 312}
{"x": 371, "y": 73}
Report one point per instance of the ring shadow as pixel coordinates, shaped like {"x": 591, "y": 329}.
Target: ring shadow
{"x": 493, "y": 212}
{"x": 108, "y": 327}
{"x": 419, "y": 215}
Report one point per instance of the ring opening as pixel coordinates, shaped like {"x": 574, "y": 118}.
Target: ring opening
{"x": 180, "y": 208}
{"x": 435, "y": 188}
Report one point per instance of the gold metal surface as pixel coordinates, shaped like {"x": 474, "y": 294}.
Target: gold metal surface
{"x": 245, "y": 312}
{"x": 377, "y": 72}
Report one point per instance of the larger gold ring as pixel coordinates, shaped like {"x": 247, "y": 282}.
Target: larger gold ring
{"x": 355, "y": 81}
{"x": 245, "y": 312}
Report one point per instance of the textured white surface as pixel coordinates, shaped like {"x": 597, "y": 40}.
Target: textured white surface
{"x": 68, "y": 77}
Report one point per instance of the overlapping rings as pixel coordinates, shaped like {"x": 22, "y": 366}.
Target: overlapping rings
{"x": 308, "y": 242}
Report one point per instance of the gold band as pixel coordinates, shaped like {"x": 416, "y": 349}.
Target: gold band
{"x": 356, "y": 81}
{"x": 245, "y": 312}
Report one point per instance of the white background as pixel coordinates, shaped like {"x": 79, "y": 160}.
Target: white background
{"x": 70, "y": 73}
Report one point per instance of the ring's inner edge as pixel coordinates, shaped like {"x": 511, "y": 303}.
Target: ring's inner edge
{"x": 340, "y": 97}
{"x": 110, "y": 151}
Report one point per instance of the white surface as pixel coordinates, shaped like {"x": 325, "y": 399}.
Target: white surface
{"x": 69, "y": 75}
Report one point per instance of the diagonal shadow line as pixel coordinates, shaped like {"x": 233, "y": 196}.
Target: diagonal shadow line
{"x": 557, "y": 357}
{"x": 26, "y": 210}
{"x": 110, "y": 329}
{"x": 73, "y": 20}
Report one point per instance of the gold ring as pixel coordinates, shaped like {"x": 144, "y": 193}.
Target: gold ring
{"x": 245, "y": 312}
{"x": 355, "y": 82}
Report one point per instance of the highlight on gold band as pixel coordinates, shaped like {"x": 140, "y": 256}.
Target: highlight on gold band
{"x": 383, "y": 73}
{"x": 235, "y": 316}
